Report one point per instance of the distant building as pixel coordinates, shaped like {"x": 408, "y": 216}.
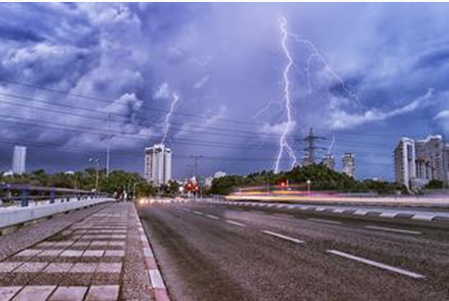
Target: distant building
{"x": 348, "y": 160}
{"x": 404, "y": 162}
{"x": 158, "y": 164}
{"x": 419, "y": 161}
{"x": 219, "y": 174}
{"x": 19, "y": 160}
{"x": 329, "y": 161}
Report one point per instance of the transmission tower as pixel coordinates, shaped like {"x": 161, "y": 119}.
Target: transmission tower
{"x": 310, "y": 140}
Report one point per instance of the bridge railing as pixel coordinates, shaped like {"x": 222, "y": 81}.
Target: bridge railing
{"x": 29, "y": 203}
{"x": 25, "y": 195}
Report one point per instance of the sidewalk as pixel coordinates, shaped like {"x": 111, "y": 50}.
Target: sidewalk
{"x": 99, "y": 258}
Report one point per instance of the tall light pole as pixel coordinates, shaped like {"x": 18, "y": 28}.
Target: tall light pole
{"x": 196, "y": 158}
{"x": 97, "y": 164}
{"x": 108, "y": 151}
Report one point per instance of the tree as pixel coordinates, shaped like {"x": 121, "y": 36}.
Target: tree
{"x": 435, "y": 184}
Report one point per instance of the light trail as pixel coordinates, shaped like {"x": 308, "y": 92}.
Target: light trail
{"x": 168, "y": 116}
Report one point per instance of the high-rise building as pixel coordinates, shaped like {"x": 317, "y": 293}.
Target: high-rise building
{"x": 419, "y": 161}
{"x": 329, "y": 161}
{"x": 404, "y": 162}
{"x": 348, "y": 160}
{"x": 158, "y": 164}
{"x": 19, "y": 159}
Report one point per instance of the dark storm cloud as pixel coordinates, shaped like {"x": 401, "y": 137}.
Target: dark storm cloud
{"x": 225, "y": 61}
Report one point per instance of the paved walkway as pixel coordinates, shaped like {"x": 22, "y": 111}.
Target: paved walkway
{"x": 83, "y": 262}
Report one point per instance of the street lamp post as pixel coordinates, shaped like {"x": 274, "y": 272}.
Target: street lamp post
{"x": 97, "y": 164}
{"x": 308, "y": 186}
{"x": 196, "y": 158}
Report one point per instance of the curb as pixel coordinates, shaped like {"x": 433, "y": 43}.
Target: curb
{"x": 156, "y": 282}
{"x": 390, "y": 213}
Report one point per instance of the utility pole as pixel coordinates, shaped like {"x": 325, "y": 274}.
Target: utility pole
{"x": 108, "y": 151}
{"x": 311, "y": 147}
{"x": 196, "y": 158}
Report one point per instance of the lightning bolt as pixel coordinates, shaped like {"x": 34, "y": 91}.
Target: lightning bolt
{"x": 331, "y": 145}
{"x": 283, "y": 143}
{"x": 266, "y": 108}
{"x": 168, "y": 116}
{"x": 316, "y": 53}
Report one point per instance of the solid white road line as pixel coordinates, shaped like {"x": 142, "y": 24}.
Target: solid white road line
{"x": 324, "y": 221}
{"x": 212, "y": 216}
{"x": 394, "y": 230}
{"x": 156, "y": 279}
{"x": 198, "y": 212}
{"x": 235, "y": 223}
{"x": 283, "y": 236}
{"x": 376, "y": 264}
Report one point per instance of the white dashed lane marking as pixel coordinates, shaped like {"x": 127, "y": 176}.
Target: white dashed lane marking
{"x": 324, "y": 221}
{"x": 283, "y": 236}
{"x": 212, "y": 216}
{"x": 376, "y": 264}
{"x": 235, "y": 223}
{"x": 198, "y": 212}
{"x": 394, "y": 230}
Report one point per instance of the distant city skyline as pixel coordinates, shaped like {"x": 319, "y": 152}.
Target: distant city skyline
{"x": 210, "y": 79}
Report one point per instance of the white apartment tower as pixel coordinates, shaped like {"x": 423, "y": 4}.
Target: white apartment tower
{"x": 348, "y": 160}
{"x": 158, "y": 164}
{"x": 416, "y": 162}
{"x": 404, "y": 162}
{"x": 19, "y": 159}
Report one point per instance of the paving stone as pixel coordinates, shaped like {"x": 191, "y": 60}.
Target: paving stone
{"x": 109, "y": 267}
{"x": 31, "y": 267}
{"x": 81, "y": 244}
{"x": 99, "y": 243}
{"x": 50, "y": 252}
{"x": 46, "y": 244}
{"x": 29, "y": 252}
{"x": 93, "y": 253}
{"x": 71, "y": 253}
{"x": 103, "y": 293}
{"x": 115, "y": 253}
{"x": 6, "y": 267}
{"x": 58, "y": 267}
{"x": 69, "y": 293}
{"x": 80, "y": 267}
{"x": 34, "y": 293}
{"x": 7, "y": 292}
{"x": 117, "y": 243}
{"x": 64, "y": 243}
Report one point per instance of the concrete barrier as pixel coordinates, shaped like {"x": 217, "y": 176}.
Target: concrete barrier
{"x": 18, "y": 215}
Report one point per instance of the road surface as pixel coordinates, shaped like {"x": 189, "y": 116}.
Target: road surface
{"x": 219, "y": 252}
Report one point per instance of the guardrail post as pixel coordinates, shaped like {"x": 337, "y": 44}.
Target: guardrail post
{"x": 24, "y": 198}
{"x": 52, "y": 197}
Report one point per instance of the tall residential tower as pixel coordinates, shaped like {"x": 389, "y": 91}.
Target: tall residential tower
{"x": 19, "y": 159}
{"x": 158, "y": 164}
{"x": 348, "y": 161}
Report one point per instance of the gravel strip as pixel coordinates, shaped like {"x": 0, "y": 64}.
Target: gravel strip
{"x": 135, "y": 277}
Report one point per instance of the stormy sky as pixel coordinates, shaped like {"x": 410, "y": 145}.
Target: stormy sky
{"x": 73, "y": 74}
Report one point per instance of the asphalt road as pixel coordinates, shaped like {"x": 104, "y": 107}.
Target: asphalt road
{"x": 218, "y": 252}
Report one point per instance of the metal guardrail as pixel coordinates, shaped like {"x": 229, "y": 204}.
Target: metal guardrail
{"x": 44, "y": 194}
{"x": 19, "y": 215}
